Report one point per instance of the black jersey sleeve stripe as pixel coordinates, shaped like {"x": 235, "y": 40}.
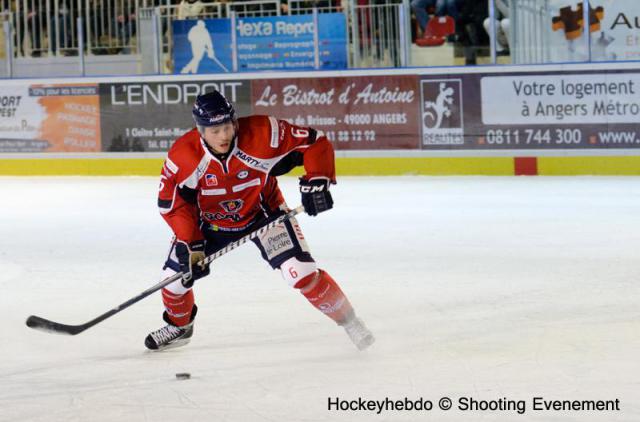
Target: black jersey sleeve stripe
{"x": 313, "y": 135}
{"x": 188, "y": 194}
{"x": 165, "y": 203}
{"x": 287, "y": 163}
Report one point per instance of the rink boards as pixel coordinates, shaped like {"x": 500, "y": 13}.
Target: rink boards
{"x": 490, "y": 166}
{"x": 488, "y": 120}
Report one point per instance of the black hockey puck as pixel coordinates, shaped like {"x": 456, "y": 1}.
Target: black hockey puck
{"x": 183, "y": 375}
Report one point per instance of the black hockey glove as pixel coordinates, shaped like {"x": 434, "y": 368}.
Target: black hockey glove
{"x": 315, "y": 195}
{"x": 188, "y": 257}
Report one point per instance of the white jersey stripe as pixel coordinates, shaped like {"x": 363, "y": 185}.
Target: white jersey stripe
{"x": 213, "y": 192}
{"x": 275, "y": 137}
{"x": 243, "y": 186}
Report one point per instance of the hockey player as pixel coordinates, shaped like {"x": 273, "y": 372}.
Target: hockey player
{"x": 218, "y": 184}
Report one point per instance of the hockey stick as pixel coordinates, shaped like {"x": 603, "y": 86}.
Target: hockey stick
{"x": 48, "y": 326}
{"x": 219, "y": 64}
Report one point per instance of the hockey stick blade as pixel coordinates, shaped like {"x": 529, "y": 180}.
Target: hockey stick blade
{"x": 47, "y": 326}
{"x": 42, "y": 324}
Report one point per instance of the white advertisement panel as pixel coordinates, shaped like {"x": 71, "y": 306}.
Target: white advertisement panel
{"x": 563, "y": 98}
{"x": 20, "y": 113}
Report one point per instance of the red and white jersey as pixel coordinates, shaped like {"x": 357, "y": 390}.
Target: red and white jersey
{"x": 197, "y": 187}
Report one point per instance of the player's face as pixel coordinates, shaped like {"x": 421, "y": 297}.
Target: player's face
{"x": 219, "y": 137}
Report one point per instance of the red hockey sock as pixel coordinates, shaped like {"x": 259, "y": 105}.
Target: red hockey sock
{"x": 324, "y": 293}
{"x": 179, "y": 308}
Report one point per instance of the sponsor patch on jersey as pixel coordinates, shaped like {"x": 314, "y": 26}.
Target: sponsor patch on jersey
{"x": 232, "y": 205}
{"x": 243, "y": 174}
{"x": 276, "y": 241}
{"x": 171, "y": 166}
{"x": 253, "y": 162}
{"x": 210, "y": 180}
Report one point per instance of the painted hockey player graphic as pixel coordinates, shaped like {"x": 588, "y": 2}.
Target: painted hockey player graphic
{"x": 201, "y": 43}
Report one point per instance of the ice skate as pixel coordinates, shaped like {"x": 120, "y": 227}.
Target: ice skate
{"x": 358, "y": 333}
{"x": 168, "y": 337}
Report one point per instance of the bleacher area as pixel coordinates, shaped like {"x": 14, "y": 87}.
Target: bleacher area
{"x": 51, "y": 27}
{"x": 382, "y": 33}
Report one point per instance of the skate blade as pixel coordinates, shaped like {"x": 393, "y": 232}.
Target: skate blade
{"x": 172, "y": 345}
{"x": 366, "y": 342}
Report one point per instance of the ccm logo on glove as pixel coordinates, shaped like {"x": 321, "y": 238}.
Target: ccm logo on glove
{"x": 312, "y": 189}
{"x": 316, "y": 197}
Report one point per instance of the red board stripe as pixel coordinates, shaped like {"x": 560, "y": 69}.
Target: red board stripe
{"x": 525, "y": 166}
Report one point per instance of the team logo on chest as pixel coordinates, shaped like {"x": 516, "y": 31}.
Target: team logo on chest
{"x": 243, "y": 174}
{"x": 232, "y": 205}
{"x": 210, "y": 180}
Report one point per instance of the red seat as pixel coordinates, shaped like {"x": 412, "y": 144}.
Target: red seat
{"x": 437, "y": 30}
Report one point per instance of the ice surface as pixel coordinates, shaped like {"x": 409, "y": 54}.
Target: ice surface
{"x": 482, "y": 287}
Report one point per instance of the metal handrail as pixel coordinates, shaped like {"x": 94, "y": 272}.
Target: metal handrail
{"x": 254, "y": 8}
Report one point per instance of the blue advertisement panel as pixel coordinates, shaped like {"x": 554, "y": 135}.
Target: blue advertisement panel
{"x": 332, "y": 35}
{"x": 263, "y": 43}
{"x": 286, "y": 42}
{"x": 202, "y": 46}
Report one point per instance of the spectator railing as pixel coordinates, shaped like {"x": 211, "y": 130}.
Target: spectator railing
{"x": 530, "y": 20}
{"x": 379, "y": 34}
{"x": 111, "y": 26}
{"x": 254, "y": 8}
{"x": 45, "y": 27}
{"x": 302, "y": 7}
{"x": 5, "y": 16}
